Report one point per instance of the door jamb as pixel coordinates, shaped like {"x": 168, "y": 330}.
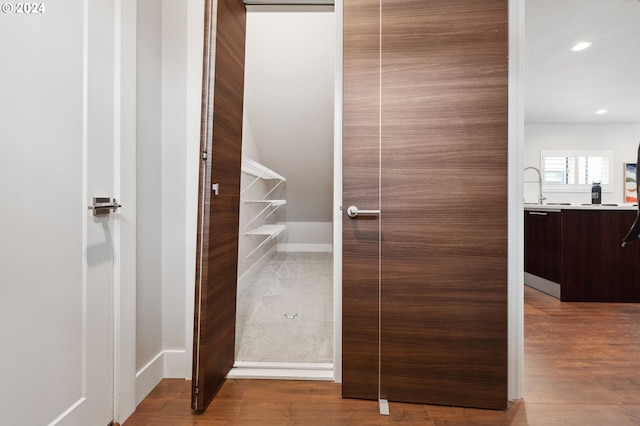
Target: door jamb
{"x": 337, "y": 196}
{"x": 515, "y": 277}
{"x": 124, "y": 279}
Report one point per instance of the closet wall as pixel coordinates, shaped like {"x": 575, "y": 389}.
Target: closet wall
{"x": 289, "y": 87}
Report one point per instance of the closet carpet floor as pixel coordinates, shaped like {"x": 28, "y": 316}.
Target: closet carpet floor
{"x": 286, "y": 313}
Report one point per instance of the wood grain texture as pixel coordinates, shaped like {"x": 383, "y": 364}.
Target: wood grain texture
{"x": 595, "y": 268}
{"x": 444, "y": 192}
{"x": 542, "y": 244}
{"x": 582, "y": 367}
{"x": 361, "y": 110}
{"x": 444, "y": 200}
{"x": 218, "y": 216}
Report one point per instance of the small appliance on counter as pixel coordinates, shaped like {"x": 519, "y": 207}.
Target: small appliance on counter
{"x": 596, "y": 193}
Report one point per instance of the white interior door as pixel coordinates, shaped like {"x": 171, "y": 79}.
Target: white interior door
{"x": 59, "y": 139}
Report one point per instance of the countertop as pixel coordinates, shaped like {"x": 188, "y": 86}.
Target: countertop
{"x": 567, "y": 206}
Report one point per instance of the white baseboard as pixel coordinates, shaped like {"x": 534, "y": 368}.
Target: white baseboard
{"x": 306, "y": 237}
{"x": 148, "y": 377}
{"x": 313, "y": 248}
{"x": 282, "y": 371}
{"x": 542, "y": 284}
{"x": 167, "y": 364}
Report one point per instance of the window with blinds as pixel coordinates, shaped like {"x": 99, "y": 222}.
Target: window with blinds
{"x": 575, "y": 170}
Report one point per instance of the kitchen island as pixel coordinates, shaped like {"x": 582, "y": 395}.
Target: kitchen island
{"x": 574, "y": 252}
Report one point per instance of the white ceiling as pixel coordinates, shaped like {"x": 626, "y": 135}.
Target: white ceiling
{"x": 565, "y": 87}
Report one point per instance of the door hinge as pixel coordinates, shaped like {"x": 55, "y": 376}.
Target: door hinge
{"x": 196, "y": 390}
{"x": 205, "y": 155}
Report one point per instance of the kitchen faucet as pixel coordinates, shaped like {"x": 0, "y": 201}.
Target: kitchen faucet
{"x": 541, "y": 197}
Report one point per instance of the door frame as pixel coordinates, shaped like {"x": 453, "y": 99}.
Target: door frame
{"x": 124, "y": 279}
{"x": 515, "y": 275}
{"x": 337, "y": 195}
{"x": 516, "y": 226}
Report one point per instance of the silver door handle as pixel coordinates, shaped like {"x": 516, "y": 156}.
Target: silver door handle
{"x": 353, "y": 211}
{"x": 104, "y": 205}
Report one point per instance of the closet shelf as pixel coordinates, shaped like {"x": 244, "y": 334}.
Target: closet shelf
{"x": 260, "y": 172}
{"x": 271, "y": 202}
{"x": 271, "y": 205}
{"x": 268, "y": 230}
{"x": 256, "y": 169}
{"x": 268, "y": 206}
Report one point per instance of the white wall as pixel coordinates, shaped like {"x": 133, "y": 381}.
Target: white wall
{"x": 289, "y": 91}
{"x": 288, "y": 127}
{"x": 307, "y": 236}
{"x": 174, "y": 132}
{"x": 249, "y": 147}
{"x": 169, "y": 42}
{"x": 149, "y": 171}
{"x": 622, "y": 139}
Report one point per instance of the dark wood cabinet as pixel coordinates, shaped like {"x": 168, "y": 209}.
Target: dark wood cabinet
{"x": 580, "y": 249}
{"x": 595, "y": 267}
{"x": 543, "y": 240}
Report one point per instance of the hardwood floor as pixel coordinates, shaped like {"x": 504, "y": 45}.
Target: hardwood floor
{"x": 582, "y": 367}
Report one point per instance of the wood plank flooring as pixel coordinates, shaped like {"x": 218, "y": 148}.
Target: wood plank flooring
{"x": 582, "y": 367}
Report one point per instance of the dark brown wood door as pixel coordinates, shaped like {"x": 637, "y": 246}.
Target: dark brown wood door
{"x": 218, "y": 210}
{"x": 425, "y": 141}
{"x": 361, "y": 166}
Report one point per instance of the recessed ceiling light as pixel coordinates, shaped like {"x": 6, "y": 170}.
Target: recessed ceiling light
{"x": 601, "y": 111}
{"x": 581, "y": 46}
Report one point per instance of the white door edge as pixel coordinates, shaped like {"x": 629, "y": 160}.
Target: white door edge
{"x": 516, "y": 226}
{"x": 337, "y": 198}
{"x": 125, "y": 221}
